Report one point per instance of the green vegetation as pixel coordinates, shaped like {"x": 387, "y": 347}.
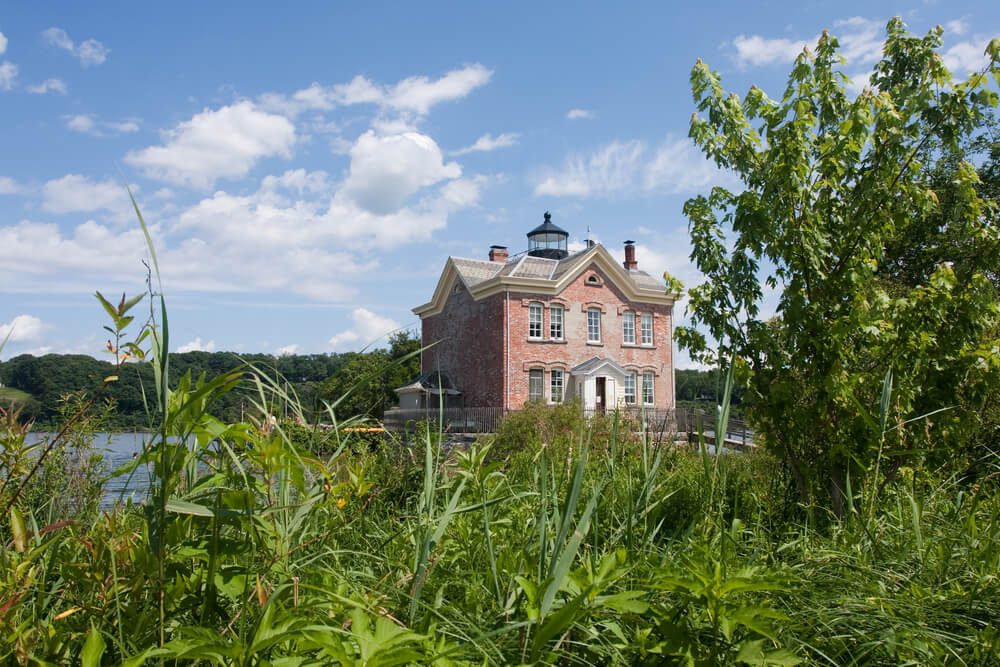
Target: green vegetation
{"x": 39, "y": 383}
{"x": 874, "y": 226}
{"x": 559, "y": 540}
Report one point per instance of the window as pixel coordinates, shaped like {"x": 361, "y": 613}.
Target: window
{"x": 556, "y": 322}
{"x": 535, "y": 384}
{"x": 535, "y": 320}
{"x": 556, "y": 386}
{"x": 628, "y": 328}
{"x": 647, "y": 328}
{"x": 647, "y": 388}
{"x": 593, "y": 325}
{"x": 630, "y": 389}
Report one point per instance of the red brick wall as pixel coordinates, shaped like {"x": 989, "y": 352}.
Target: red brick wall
{"x": 469, "y": 337}
{"x": 576, "y": 349}
{"x": 470, "y": 341}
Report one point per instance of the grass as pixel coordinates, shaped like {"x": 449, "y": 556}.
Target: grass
{"x": 556, "y": 541}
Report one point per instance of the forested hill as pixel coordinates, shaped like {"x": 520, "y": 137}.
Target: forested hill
{"x": 313, "y": 377}
{"x": 37, "y": 384}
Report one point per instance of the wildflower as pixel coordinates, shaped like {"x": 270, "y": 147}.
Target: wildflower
{"x": 341, "y": 502}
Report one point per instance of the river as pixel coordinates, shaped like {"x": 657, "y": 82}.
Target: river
{"x": 117, "y": 448}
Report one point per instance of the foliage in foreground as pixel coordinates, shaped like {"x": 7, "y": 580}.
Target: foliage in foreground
{"x": 595, "y": 547}
{"x": 867, "y": 216}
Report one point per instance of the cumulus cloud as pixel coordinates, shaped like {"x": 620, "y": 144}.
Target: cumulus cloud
{"x": 387, "y": 170}
{"x": 416, "y": 94}
{"x": 488, "y": 142}
{"x": 287, "y": 350}
{"x": 366, "y": 328}
{"x": 580, "y": 114}
{"x": 8, "y": 186}
{"x": 75, "y": 193}
{"x": 631, "y": 167}
{"x": 21, "y": 329}
{"x": 48, "y": 86}
{"x": 214, "y": 144}
{"x": 966, "y": 57}
{"x": 197, "y": 345}
{"x": 3, "y": 43}
{"x": 87, "y": 124}
{"x": 8, "y": 75}
{"x": 860, "y": 43}
{"x": 89, "y": 52}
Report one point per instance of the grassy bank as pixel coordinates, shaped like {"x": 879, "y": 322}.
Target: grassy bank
{"x": 555, "y": 541}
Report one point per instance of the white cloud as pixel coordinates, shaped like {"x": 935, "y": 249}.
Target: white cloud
{"x": 958, "y": 26}
{"x": 631, "y": 167}
{"x": 8, "y": 186}
{"x": 197, "y": 346}
{"x": 3, "y": 44}
{"x": 419, "y": 93}
{"x": 416, "y": 94}
{"x": 48, "y": 86}
{"x": 89, "y": 52}
{"x": 23, "y": 328}
{"x": 580, "y": 114}
{"x": 287, "y": 350}
{"x": 73, "y": 193}
{"x": 366, "y": 328}
{"x": 80, "y": 123}
{"x": 8, "y": 74}
{"x": 123, "y": 126}
{"x": 860, "y": 39}
{"x": 87, "y": 124}
{"x": 966, "y": 57}
{"x": 488, "y": 142}
{"x": 214, "y": 144}
{"x": 756, "y": 50}
{"x": 387, "y": 170}
{"x": 860, "y": 44}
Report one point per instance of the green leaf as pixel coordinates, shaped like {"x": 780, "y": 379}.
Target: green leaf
{"x": 93, "y": 649}
{"x": 179, "y": 506}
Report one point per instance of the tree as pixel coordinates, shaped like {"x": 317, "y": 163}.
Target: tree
{"x": 831, "y": 184}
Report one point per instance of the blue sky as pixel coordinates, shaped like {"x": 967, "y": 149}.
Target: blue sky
{"x": 306, "y": 170}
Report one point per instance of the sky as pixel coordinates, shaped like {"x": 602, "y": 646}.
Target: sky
{"x": 306, "y": 170}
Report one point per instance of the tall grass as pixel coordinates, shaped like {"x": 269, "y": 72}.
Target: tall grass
{"x": 558, "y": 540}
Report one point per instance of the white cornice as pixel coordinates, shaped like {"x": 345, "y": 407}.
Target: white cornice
{"x": 597, "y": 256}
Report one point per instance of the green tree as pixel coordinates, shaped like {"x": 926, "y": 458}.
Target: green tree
{"x": 831, "y": 183}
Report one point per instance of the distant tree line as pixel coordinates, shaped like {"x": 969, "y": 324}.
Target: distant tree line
{"x": 358, "y": 383}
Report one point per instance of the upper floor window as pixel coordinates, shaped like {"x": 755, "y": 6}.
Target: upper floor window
{"x": 630, "y": 388}
{"x": 593, "y": 325}
{"x": 535, "y": 384}
{"x": 556, "y": 322}
{"x": 556, "y": 385}
{"x": 647, "y": 328}
{"x": 628, "y": 328}
{"x": 647, "y": 388}
{"x": 535, "y": 320}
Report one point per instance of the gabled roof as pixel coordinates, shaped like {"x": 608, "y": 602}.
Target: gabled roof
{"x": 540, "y": 276}
{"x": 596, "y": 363}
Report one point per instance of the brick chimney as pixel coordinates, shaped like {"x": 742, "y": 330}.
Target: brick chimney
{"x": 498, "y": 253}
{"x": 630, "y": 262}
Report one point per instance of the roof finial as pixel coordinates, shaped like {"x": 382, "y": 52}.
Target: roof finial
{"x": 548, "y": 217}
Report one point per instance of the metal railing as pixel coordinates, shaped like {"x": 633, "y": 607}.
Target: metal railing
{"x": 453, "y": 420}
{"x": 687, "y": 421}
